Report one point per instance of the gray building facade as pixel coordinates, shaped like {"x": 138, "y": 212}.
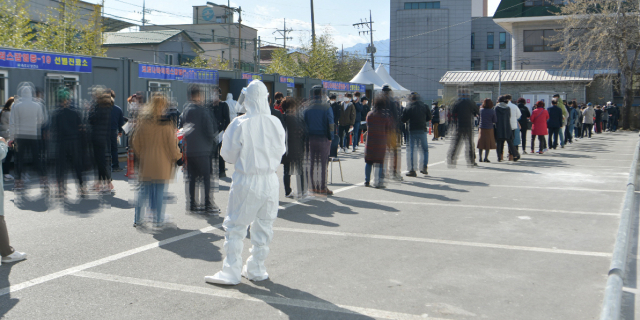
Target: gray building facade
{"x": 490, "y": 45}
{"x": 429, "y": 38}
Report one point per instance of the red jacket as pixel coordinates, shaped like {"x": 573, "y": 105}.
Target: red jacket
{"x": 539, "y": 119}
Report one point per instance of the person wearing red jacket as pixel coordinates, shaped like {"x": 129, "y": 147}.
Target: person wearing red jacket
{"x": 539, "y": 118}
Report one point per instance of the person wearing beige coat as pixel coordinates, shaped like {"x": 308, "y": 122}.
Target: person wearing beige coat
{"x": 156, "y": 145}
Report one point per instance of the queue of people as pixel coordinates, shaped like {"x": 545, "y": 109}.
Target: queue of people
{"x": 257, "y": 136}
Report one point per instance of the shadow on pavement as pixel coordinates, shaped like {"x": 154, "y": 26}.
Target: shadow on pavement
{"x": 313, "y": 307}
{"x": 307, "y": 213}
{"x": 36, "y": 204}
{"x": 440, "y": 187}
{"x": 422, "y": 195}
{"x": 507, "y": 170}
{"x": 457, "y": 181}
{"x": 81, "y": 208}
{"x": 199, "y": 247}
{"x": 6, "y": 302}
{"x": 365, "y": 204}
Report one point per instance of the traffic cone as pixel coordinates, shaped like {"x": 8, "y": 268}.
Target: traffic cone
{"x": 130, "y": 171}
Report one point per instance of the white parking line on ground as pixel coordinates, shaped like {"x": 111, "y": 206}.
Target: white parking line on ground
{"x": 102, "y": 261}
{"x": 447, "y": 242}
{"x": 211, "y": 290}
{"x": 473, "y": 206}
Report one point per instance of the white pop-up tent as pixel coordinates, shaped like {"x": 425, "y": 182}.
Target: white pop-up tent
{"x": 368, "y": 76}
{"x": 399, "y": 90}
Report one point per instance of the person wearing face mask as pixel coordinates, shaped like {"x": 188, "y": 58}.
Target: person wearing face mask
{"x": 346, "y": 121}
{"x": 220, "y": 111}
{"x": 200, "y": 131}
{"x": 254, "y": 143}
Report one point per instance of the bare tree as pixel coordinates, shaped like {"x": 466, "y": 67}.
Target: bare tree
{"x": 602, "y": 34}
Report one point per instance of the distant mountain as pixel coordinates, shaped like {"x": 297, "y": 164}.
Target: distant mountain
{"x": 382, "y": 51}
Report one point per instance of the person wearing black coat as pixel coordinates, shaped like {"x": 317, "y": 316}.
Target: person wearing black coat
{"x": 220, "y": 114}
{"x": 199, "y": 144}
{"x": 292, "y": 160}
{"x": 463, "y": 110}
{"x": 66, "y": 126}
{"x": 503, "y": 130}
{"x": 524, "y": 123}
{"x": 100, "y": 123}
{"x": 416, "y": 115}
{"x": 337, "y": 109}
{"x": 435, "y": 120}
{"x": 554, "y": 123}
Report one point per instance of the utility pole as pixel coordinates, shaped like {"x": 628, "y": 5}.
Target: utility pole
{"x": 369, "y": 30}
{"x": 255, "y": 54}
{"x": 284, "y": 32}
{"x": 259, "y": 44}
{"x": 144, "y": 12}
{"x": 499, "y": 73}
{"x": 239, "y": 37}
{"x": 313, "y": 27}
{"x": 229, "y": 12}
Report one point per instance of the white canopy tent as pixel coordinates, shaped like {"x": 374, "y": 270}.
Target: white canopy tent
{"x": 368, "y": 76}
{"x": 398, "y": 90}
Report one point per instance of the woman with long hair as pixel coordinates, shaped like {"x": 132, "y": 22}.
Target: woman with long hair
{"x": 486, "y": 136}
{"x": 156, "y": 146}
{"x": 5, "y": 115}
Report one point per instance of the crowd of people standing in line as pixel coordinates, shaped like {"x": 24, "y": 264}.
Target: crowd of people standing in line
{"x": 257, "y": 137}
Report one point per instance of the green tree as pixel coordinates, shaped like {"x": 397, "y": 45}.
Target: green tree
{"x": 67, "y": 29}
{"x": 16, "y": 24}
{"x": 282, "y": 63}
{"x": 203, "y": 62}
{"x": 602, "y": 34}
{"x": 347, "y": 66}
{"x": 319, "y": 61}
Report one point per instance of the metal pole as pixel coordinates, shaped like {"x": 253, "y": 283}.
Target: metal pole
{"x": 144, "y": 11}
{"x": 258, "y": 54}
{"x": 229, "y": 12}
{"x": 499, "y": 73}
{"x": 255, "y": 54}
{"x": 313, "y": 27}
{"x": 612, "y": 303}
{"x": 285, "y": 34}
{"x": 373, "y": 64}
{"x": 239, "y": 37}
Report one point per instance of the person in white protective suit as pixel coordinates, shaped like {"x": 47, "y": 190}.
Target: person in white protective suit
{"x": 232, "y": 107}
{"x": 254, "y": 143}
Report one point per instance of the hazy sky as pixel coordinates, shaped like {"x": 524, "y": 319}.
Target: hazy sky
{"x": 334, "y": 16}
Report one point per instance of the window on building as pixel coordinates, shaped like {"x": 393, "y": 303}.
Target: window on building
{"x": 473, "y": 65}
{"x": 490, "y": 65}
{"x": 473, "y": 40}
{"x": 543, "y": 3}
{"x": 503, "y": 65}
{"x": 206, "y": 40}
{"x": 422, "y": 5}
{"x": 489, "y": 40}
{"x": 539, "y": 40}
{"x": 503, "y": 40}
{"x": 168, "y": 59}
{"x": 155, "y": 86}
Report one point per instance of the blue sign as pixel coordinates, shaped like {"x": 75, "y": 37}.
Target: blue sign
{"x": 203, "y": 76}
{"x": 343, "y": 86}
{"x": 44, "y": 61}
{"x": 289, "y": 81}
{"x": 208, "y": 14}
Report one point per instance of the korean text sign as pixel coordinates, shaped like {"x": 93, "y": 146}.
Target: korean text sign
{"x": 288, "y": 80}
{"x": 178, "y": 73}
{"x": 343, "y": 86}
{"x": 251, "y": 76}
{"x": 44, "y": 61}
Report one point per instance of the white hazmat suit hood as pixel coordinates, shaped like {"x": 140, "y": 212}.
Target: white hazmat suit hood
{"x": 255, "y": 143}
